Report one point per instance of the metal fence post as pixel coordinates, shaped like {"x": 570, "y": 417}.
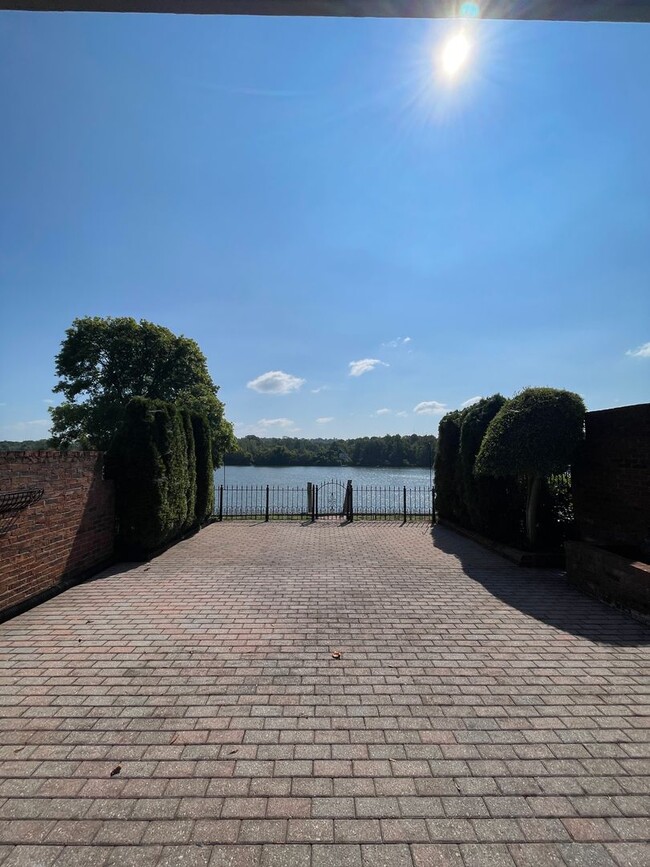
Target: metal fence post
{"x": 266, "y": 517}
{"x": 405, "y": 504}
{"x": 221, "y": 502}
{"x": 433, "y": 506}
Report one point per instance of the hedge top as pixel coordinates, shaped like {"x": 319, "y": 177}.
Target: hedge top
{"x": 536, "y": 433}
{"x": 476, "y": 420}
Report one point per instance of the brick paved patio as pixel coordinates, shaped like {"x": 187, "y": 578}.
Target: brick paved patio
{"x": 479, "y": 714}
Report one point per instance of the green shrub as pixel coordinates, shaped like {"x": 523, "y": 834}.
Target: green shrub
{"x": 533, "y": 436}
{"x": 163, "y": 479}
{"x": 204, "y": 469}
{"x": 492, "y": 506}
{"x": 472, "y": 431}
{"x": 175, "y": 456}
{"x": 190, "y": 457}
{"x": 136, "y": 463}
{"x": 555, "y": 515}
{"x": 448, "y": 492}
{"x": 535, "y": 433}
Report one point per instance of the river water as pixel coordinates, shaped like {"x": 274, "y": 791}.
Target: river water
{"x": 299, "y": 476}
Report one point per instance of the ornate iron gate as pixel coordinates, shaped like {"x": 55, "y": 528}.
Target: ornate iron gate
{"x": 330, "y": 499}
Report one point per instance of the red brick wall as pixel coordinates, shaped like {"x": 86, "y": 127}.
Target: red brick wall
{"x": 68, "y": 532}
{"x": 611, "y": 479}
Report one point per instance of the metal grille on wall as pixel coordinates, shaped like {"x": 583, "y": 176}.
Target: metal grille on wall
{"x": 330, "y": 499}
{"x": 12, "y": 503}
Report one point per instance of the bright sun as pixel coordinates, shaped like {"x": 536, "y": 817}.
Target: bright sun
{"x": 455, "y": 54}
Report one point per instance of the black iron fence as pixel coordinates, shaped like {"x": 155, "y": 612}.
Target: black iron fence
{"x": 393, "y": 501}
{"x": 328, "y": 499}
{"x": 260, "y": 501}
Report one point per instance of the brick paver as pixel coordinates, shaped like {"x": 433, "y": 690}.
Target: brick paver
{"x": 190, "y": 710}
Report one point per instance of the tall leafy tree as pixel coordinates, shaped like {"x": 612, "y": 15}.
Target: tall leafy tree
{"x": 105, "y": 362}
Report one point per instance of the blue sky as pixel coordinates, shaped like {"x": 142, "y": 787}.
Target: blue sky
{"x": 299, "y": 195}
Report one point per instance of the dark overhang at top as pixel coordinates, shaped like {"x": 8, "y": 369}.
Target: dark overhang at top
{"x": 535, "y": 10}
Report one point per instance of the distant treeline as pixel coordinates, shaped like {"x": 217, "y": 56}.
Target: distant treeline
{"x": 24, "y": 445}
{"x": 386, "y": 451}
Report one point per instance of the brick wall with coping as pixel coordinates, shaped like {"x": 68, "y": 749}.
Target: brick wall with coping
{"x": 65, "y": 535}
{"x": 611, "y": 480}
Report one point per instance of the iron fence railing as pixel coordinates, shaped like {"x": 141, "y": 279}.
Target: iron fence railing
{"x": 261, "y": 501}
{"x": 329, "y": 499}
{"x": 391, "y": 502}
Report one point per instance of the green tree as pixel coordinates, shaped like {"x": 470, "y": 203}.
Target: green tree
{"x": 104, "y": 362}
{"x": 533, "y": 436}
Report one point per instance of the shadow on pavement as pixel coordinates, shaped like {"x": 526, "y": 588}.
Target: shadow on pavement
{"x": 544, "y": 594}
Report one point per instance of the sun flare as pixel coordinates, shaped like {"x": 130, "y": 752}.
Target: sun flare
{"x": 455, "y": 54}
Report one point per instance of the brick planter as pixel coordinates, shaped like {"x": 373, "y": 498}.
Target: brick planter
{"x": 611, "y": 577}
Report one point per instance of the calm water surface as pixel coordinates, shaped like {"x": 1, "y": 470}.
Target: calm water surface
{"x": 299, "y": 476}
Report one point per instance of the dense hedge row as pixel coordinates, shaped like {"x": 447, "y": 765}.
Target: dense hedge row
{"x": 161, "y": 463}
{"x": 500, "y": 464}
{"x": 204, "y": 468}
{"x": 448, "y": 496}
{"x": 493, "y": 507}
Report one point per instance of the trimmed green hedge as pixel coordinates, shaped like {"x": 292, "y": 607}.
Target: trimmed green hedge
{"x": 160, "y": 474}
{"x": 534, "y": 436}
{"x": 492, "y": 507}
{"x": 204, "y": 469}
{"x": 448, "y": 483}
{"x": 190, "y": 459}
{"x": 500, "y": 465}
{"x": 536, "y": 433}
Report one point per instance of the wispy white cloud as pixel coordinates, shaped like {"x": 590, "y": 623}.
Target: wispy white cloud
{"x": 401, "y": 414}
{"x": 49, "y": 401}
{"x": 365, "y": 365}
{"x": 325, "y": 419}
{"x": 276, "y": 422}
{"x": 35, "y": 429}
{"x": 383, "y": 411}
{"x": 276, "y": 382}
{"x": 470, "y": 401}
{"x": 267, "y": 427}
{"x": 245, "y": 91}
{"x": 429, "y": 407}
{"x": 642, "y": 351}
{"x": 319, "y": 389}
{"x": 399, "y": 341}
